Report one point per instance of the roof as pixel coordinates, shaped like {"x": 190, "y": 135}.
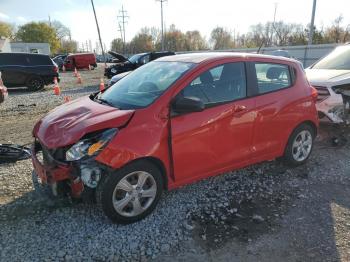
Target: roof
{"x": 206, "y": 56}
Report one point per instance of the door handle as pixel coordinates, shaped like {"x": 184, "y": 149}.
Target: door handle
{"x": 240, "y": 108}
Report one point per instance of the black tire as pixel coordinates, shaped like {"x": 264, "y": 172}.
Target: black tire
{"x": 288, "y": 157}
{"x": 35, "y": 83}
{"x": 107, "y": 186}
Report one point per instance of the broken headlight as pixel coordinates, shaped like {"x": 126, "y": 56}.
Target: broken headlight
{"x": 90, "y": 146}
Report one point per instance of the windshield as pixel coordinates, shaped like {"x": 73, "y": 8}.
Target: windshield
{"x": 339, "y": 59}
{"x": 134, "y": 58}
{"x": 144, "y": 85}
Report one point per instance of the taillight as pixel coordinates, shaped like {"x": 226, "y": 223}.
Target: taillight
{"x": 55, "y": 69}
{"x": 314, "y": 94}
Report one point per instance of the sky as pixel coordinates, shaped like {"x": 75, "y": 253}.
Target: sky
{"x": 202, "y": 15}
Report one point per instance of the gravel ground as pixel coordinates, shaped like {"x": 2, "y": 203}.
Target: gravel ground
{"x": 266, "y": 212}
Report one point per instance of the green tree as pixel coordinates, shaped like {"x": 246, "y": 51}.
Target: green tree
{"x": 221, "y": 38}
{"x": 6, "y": 30}
{"x": 117, "y": 45}
{"x": 174, "y": 39}
{"x": 39, "y": 32}
{"x": 194, "y": 41}
{"x": 68, "y": 46}
{"x": 142, "y": 42}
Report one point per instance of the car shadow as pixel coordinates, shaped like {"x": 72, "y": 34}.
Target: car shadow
{"x": 280, "y": 214}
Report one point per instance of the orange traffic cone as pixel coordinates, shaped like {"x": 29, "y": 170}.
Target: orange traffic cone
{"x": 102, "y": 85}
{"x": 63, "y": 68}
{"x": 75, "y": 72}
{"x": 56, "y": 89}
{"x": 79, "y": 79}
{"x": 66, "y": 99}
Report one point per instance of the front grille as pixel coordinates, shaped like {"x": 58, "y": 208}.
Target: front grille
{"x": 322, "y": 92}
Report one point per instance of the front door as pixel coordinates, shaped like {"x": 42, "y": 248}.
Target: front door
{"x": 219, "y": 137}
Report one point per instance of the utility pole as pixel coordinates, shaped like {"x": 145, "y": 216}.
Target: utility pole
{"x": 49, "y": 20}
{"x": 273, "y": 23}
{"x": 98, "y": 31}
{"x": 311, "y": 32}
{"x": 123, "y": 16}
{"x": 162, "y": 23}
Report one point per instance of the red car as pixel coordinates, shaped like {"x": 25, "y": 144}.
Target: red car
{"x": 174, "y": 121}
{"x": 80, "y": 61}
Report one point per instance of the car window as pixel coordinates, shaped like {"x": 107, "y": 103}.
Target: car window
{"x": 144, "y": 85}
{"x": 220, "y": 84}
{"x": 339, "y": 59}
{"x": 272, "y": 77}
{"x": 144, "y": 59}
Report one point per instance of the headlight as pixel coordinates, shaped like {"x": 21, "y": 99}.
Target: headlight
{"x": 90, "y": 146}
{"x": 113, "y": 70}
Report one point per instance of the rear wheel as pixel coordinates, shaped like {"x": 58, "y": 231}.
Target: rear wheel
{"x": 35, "y": 83}
{"x": 300, "y": 145}
{"x": 131, "y": 193}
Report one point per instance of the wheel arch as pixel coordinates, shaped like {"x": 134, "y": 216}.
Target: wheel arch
{"x": 158, "y": 163}
{"x": 306, "y": 122}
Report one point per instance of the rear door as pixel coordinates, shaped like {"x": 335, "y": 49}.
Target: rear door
{"x": 274, "y": 106}
{"x": 14, "y": 68}
{"x": 220, "y": 136}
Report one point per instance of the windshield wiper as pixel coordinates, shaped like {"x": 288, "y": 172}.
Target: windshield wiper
{"x": 103, "y": 101}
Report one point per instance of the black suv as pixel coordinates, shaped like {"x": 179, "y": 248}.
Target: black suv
{"x": 124, "y": 64}
{"x": 31, "y": 70}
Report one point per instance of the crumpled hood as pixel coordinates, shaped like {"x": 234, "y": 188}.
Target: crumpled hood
{"x": 118, "y": 56}
{"x": 325, "y": 75}
{"x": 68, "y": 123}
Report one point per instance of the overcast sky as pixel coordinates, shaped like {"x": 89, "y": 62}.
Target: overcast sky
{"x": 202, "y": 15}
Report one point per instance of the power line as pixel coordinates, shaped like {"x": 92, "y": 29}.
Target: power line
{"x": 123, "y": 16}
{"x": 162, "y": 23}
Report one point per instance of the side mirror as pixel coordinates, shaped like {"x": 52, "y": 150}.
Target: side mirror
{"x": 187, "y": 104}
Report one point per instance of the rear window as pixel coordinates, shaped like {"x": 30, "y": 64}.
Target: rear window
{"x": 272, "y": 77}
{"x": 39, "y": 60}
{"x": 24, "y": 59}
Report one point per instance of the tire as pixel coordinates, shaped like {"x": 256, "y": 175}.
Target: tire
{"x": 300, "y": 145}
{"x": 35, "y": 83}
{"x": 124, "y": 187}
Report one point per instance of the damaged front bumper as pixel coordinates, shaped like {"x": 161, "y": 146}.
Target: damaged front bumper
{"x": 75, "y": 179}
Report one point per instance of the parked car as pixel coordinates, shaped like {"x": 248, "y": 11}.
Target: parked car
{"x": 124, "y": 64}
{"x": 117, "y": 77}
{"x": 24, "y": 69}
{"x": 172, "y": 122}
{"x": 331, "y": 77}
{"x": 3, "y": 91}
{"x": 59, "y": 60}
{"x": 80, "y": 61}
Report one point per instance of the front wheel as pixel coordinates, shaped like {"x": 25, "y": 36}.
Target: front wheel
{"x": 300, "y": 145}
{"x": 131, "y": 193}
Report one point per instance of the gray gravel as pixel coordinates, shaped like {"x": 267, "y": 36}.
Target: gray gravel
{"x": 266, "y": 212}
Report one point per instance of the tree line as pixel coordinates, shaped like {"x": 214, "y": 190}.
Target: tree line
{"x": 270, "y": 33}
{"x": 54, "y": 33}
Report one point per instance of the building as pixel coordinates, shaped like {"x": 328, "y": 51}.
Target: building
{"x": 5, "y": 45}
{"x": 35, "y": 48}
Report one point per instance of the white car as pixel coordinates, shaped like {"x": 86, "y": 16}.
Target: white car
{"x": 331, "y": 77}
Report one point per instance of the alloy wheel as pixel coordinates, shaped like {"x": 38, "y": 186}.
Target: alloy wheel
{"x": 134, "y": 193}
{"x": 302, "y": 146}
